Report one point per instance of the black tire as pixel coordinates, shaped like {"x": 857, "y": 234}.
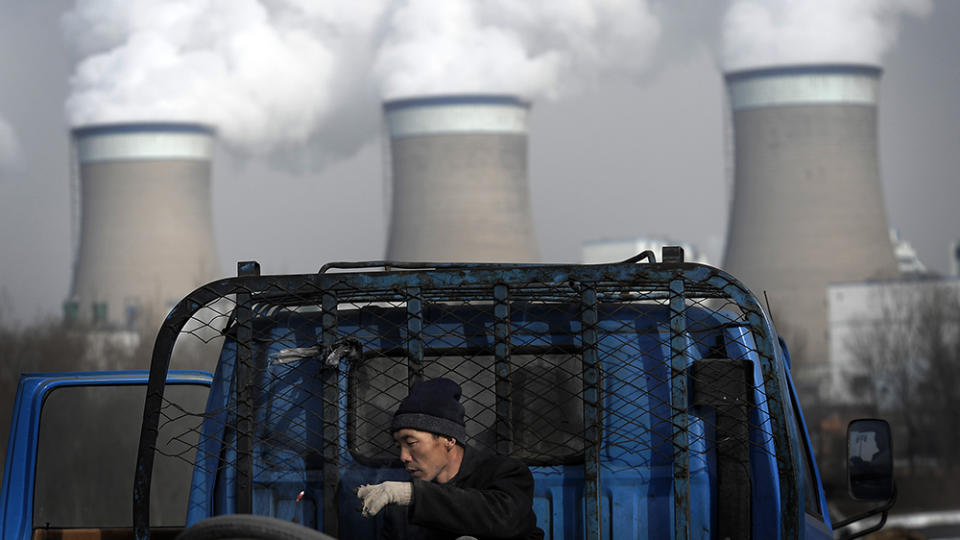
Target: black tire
{"x": 249, "y": 527}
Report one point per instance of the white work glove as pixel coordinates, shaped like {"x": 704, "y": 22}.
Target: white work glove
{"x": 376, "y": 496}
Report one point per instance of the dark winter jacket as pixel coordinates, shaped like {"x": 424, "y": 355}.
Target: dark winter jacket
{"x": 490, "y": 497}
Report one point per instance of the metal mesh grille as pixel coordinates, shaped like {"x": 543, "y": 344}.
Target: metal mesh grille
{"x": 630, "y": 368}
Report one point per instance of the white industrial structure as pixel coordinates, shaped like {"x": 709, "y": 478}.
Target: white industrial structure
{"x": 908, "y": 261}
{"x": 145, "y": 235}
{"x": 458, "y": 175}
{"x": 867, "y": 316}
{"x": 807, "y": 207}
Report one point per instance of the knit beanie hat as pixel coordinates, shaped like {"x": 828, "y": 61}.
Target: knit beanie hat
{"x": 432, "y": 406}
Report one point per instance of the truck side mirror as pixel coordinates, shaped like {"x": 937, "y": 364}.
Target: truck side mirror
{"x": 870, "y": 460}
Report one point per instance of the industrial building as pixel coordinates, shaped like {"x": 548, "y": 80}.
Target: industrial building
{"x": 807, "y": 208}
{"x": 144, "y": 232}
{"x": 458, "y": 179}
{"x": 857, "y": 312}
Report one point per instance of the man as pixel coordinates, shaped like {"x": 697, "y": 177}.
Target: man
{"x": 456, "y": 490}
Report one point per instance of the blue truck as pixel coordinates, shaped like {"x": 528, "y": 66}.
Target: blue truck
{"x": 650, "y": 400}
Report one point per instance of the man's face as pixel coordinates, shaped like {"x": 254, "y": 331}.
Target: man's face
{"x": 425, "y": 455}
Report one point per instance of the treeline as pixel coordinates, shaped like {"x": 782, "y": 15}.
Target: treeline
{"x": 911, "y": 346}
{"x": 51, "y": 346}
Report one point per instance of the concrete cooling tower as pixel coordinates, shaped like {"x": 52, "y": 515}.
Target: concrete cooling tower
{"x": 145, "y": 229}
{"x": 459, "y": 180}
{"x": 807, "y": 205}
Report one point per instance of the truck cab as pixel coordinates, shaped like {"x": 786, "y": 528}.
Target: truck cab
{"x": 69, "y": 465}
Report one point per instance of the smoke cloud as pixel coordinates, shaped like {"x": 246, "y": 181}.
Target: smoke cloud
{"x": 508, "y": 46}
{"x": 760, "y": 33}
{"x": 272, "y": 74}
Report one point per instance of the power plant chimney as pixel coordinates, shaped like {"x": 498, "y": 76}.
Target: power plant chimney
{"x": 808, "y": 205}
{"x": 145, "y": 228}
{"x": 459, "y": 179}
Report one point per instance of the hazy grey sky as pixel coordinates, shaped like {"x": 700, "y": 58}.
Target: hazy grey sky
{"x": 635, "y": 146}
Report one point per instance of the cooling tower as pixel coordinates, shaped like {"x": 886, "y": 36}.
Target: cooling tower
{"x": 459, "y": 180}
{"x": 807, "y": 206}
{"x": 145, "y": 230}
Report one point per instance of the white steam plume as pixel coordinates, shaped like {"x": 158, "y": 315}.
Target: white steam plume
{"x": 759, "y": 33}
{"x": 275, "y": 74}
{"x": 266, "y": 73}
{"x": 517, "y": 47}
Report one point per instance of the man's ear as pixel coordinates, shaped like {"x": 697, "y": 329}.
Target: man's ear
{"x": 449, "y": 442}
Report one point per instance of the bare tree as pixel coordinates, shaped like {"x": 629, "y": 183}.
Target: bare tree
{"x": 938, "y": 342}
{"x": 909, "y": 346}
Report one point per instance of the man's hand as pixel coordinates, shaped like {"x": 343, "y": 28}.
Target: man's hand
{"x": 377, "y": 496}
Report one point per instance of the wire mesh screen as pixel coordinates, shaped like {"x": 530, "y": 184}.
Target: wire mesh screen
{"x": 633, "y": 368}
{"x": 546, "y": 410}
